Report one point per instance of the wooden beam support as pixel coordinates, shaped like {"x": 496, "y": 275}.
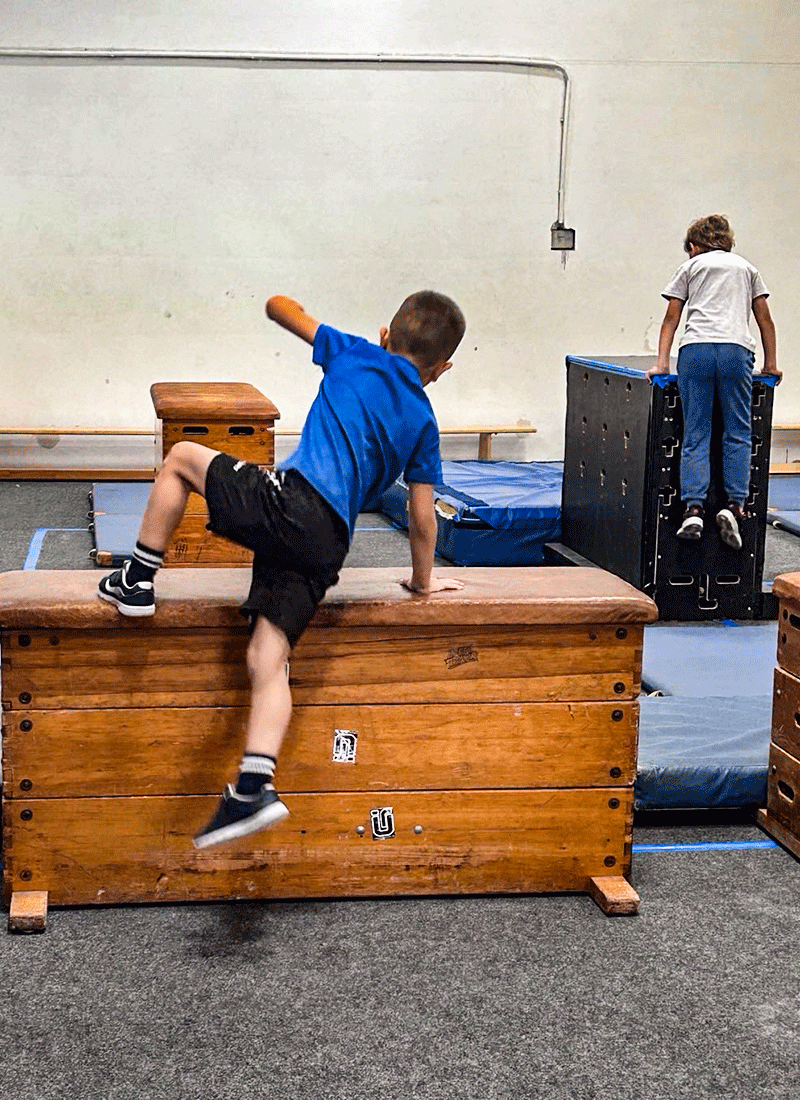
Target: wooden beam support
{"x": 28, "y": 912}
{"x": 615, "y": 895}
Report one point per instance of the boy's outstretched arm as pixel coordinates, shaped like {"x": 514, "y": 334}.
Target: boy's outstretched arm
{"x": 422, "y": 540}
{"x": 669, "y": 326}
{"x": 766, "y": 327}
{"x": 291, "y": 315}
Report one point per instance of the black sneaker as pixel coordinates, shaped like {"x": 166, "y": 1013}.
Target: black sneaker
{"x": 728, "y": 520}
{"x": 692, "y": 526}
{"x": 130, "y": 599}
{"x": 240, "y": 814}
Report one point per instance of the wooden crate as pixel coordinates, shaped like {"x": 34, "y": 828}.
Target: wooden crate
{"x": 227, "y": 416}
{"x": 470, "y": 742}
{"x": 781, "y": 818}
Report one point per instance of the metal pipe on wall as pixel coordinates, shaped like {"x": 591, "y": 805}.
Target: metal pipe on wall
{"x": 238, "y": 57}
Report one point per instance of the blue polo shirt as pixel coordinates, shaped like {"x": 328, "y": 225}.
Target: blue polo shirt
{"x": 370, "y": 422}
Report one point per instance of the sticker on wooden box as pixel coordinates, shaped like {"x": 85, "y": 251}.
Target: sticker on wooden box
{"x": 382, "y": 823}
{"x": 344, "y": 746}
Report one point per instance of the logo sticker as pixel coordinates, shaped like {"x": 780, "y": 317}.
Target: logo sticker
{"x": 461, "y": 655}
{"x": 344, "y": 746}
{"x": 382, "y": 823}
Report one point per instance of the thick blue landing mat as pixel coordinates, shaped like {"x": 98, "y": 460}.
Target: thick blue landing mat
{"x": 491, "y": 513}
{"x": 117, "y": 508}
{"x": 784, "y": 502}
{"x": 710, "y": 659}
{"x": 710, "y": 753}
{"x": 784, "y": 492}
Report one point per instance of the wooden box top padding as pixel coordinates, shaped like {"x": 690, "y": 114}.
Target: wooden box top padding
{"x": 364, "y": 597}
{"x": 786, "y": 586}
{"x": 208, "y": 401}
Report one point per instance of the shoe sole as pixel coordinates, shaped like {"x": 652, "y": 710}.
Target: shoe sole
{"x": 126, "y": 609}
{"x": 262, "y": 820}
{"x": 728, "y": 530}
{"x": 693, "y": 532}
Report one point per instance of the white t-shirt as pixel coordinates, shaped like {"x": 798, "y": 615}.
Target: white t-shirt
{"x": 718, "y": 288}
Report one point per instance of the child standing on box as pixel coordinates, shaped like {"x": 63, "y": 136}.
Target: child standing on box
{"x": 719, "y": 290}
{"x": 370, "y": 422}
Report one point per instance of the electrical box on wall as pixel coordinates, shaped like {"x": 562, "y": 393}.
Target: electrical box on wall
{"x": 561, "y": 238}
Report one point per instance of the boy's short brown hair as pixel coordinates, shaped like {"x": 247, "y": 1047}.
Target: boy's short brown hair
{"x": 427, "y": 328}
{"x": 710, "y": 233}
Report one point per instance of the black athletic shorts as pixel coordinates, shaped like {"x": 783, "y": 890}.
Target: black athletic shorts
{"x": 298, "y": 541}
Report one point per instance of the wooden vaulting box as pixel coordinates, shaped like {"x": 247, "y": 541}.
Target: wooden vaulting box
{"x": 227, "y": 416}
{"x": 781, "y": 818}
{"x": 475, "y": 741}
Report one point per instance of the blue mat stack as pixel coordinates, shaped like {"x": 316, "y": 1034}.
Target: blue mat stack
{"x": 490, "y": 513}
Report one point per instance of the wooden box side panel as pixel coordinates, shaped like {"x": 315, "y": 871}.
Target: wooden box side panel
{"x": 194, "y": 750}
{"x": 789, "y": 636}
{"x": 192, "y": 544}
{"x": 152, "y": 667}
{"x": 245, "y": 439}
{"x": 783, "y": 790}
{"x": 84, "y": 851}
{"x": 786, "y": 713}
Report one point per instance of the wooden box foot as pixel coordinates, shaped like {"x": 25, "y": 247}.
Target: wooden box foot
{"x": 28, "y": 911}
{"x": 614, "y": 895}
{"x": 783, "y": 835}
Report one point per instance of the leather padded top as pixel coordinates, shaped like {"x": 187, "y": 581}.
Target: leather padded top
{"x": 209, "y": 401}
{"x": 364, "y": 597}
{"x": 786, "y": 586}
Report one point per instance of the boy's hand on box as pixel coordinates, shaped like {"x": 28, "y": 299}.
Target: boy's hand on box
{"x": 434, "y": 585}
{"x": 649, "y": 374}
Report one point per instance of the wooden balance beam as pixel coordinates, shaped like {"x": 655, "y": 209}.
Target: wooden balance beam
{"x": 484, "y": 434}
{"x": 479, "y": 741}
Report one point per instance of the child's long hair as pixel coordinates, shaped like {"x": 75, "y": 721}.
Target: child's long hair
{"x": 709, "y": 233}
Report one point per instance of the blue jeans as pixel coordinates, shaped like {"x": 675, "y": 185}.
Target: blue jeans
{"x": 726, "y": 369}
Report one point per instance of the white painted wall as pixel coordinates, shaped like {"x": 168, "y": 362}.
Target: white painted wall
{"x": 149, "y": 209}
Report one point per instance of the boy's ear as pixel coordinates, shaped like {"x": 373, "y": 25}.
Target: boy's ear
{"x": 439, "y": 370}
{"x": 384, "y": 337}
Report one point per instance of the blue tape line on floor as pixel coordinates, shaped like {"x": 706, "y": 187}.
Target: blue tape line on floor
{"x": 35, "y": 548}
{"x": 712, "y": 846}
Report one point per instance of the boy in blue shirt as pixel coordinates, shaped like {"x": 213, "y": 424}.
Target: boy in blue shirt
{"x": 370, "y": 422}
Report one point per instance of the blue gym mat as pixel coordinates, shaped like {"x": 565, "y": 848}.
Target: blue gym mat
{"x": 784, "y": 502}
{"x": 704, "y": 743}
{"x": 490, "y": 513}
{"x": 702, "y": 753}
{"x": 117, "y": 508}
{"x": 710, "y": 659}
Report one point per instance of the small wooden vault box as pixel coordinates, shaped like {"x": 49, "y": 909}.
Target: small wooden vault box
{"x": 781, "y": 818}
{"x": 227, "y": 416}
{"x": 477, "y": 741}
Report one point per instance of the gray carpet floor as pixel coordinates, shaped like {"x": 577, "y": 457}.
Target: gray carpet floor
{"x": 437, "y": 999}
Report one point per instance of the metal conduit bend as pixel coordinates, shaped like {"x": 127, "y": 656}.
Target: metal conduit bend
{"x": 240, "y": 57}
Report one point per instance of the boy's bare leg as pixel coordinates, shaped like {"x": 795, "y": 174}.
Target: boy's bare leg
{"x": 270, "y": 698}
{"x": 183, "y": 472}
{"x": 254, "y": 803}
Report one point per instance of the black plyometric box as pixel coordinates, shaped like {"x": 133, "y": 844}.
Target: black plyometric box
{"x": 621, "y": 502}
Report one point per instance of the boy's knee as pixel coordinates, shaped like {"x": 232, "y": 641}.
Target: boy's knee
{"x": 268, "y": 650}
{"x": 179, "y": 455}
